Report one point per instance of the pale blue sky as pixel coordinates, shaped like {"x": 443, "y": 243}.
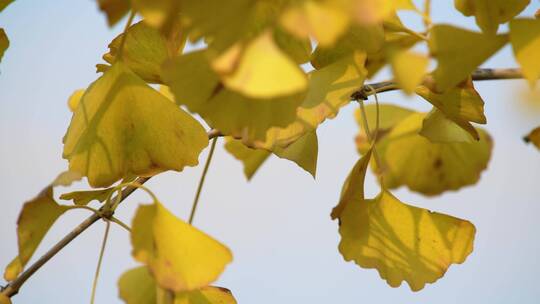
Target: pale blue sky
{"x": 278, "y": 225}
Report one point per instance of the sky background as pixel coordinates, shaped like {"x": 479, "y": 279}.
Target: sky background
{"x": 278, "y": 225}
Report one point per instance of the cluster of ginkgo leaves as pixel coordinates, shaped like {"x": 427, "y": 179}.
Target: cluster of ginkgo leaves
{"x": 251, "y": 83}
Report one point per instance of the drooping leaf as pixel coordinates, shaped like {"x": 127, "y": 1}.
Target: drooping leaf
{"x": 438, "y": 128}
{"x": 145, "y": 50}
{"x": 461, "y": 104}
{"x": 252, "y": 159}
{"x": 430, "y": 168}
{"x": 137, "y": 286}
{"x": 114, "y": 9}
{"x": 525, "y": 39}
{"x": 4, "y": 43}
{"x": 35, "y": 219}
{"x": 533, "y": 137}
{"x": 180, "y": 257}
{"x": 490, "y": 13}
{"x": 82, "y": 198}
{"x": 404, "y": 243}
{"x": 194, "y": 84}
{"x": 455, "y": 47}
{"x": 409, "y": 69}
{"x": 123, "y": 127}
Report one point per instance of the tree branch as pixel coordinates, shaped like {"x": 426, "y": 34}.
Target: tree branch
{"x": 13, "y": 287}
{"x": 478, "y": 75}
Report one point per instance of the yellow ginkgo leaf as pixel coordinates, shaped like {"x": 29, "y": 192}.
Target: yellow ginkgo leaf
{"x": 4, "y": 43}
{"x": 490, "y": 13}
{"x": 297, "y": 48}
{"x": 3, "y": 5}
{"x": 525, "y": 39}
{"x": 74, "y": 99}
{"x": 330, "y": 88}
{"x": 438, "y": 128}
{"x": 196, "y": 85}
{"x": 4, "y": 299}
{"x": 82, "y": 198}
{"x": 124, "y": 127}
{"x": 404, "y": 243}
{"x": 325, "y": 21}
{"x": 533, "y": 137}
{"x": 430, "y": 168}
{"x": 156, "y": 13}
{"x": 35, "y": 219}
{"x": 461, "y": 104}
{"x": 265, "y": 71}
{"x": 145, "y": 50}
{"x": 454, "y": 47}
{"x": 179, "y": 256}
{"x": 252, "y": 159}
{"x": 409, "y": 69}
{"x": 374, "y": 11}
{"x": 114, "y": 9}
{"x": 137, "y": 286}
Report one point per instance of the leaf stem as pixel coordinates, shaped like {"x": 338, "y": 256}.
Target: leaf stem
{"x": 201, "y": 181}
{"x": 100, "y": 260}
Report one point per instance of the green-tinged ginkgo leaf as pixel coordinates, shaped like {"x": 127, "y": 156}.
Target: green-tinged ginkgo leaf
{"x": 145, "y": 50}
{"x": 4, "y": 43}
{"x": 67, "y": 178}
{"x": 137, "y": 286}
{"x": 409, "y": 69}
{"x": 298, "y": 49}
{"x": 4, "y": 4}
{"x": 369, "y": 39}
{"x": 180, "y": 257}
{"x": 82, "y": 198}
{"x": 74, "y": 99}
{"x": 525, "y": 39}
{"x": 455, "y": 47}
{"x": 35, "y": 219}
{"x": 490, "y": 13}
{"x": 329, "y": 89}
{"x": 325, "y": 21}
{"x": 114, "y": 9}
{"x": 353, "y": 188}
{"x": 124, "y": 127}
{"x": 430, "y": 168}
{"x": 265, "y": 71}
{"x": 251, "y": 159}
{"x": 534, "y": 137}
{"x": 461, "y": 104}
{"x": 438, "y": 128}
{"x": 194, "y": 84}
{"x": 404, "y": 243}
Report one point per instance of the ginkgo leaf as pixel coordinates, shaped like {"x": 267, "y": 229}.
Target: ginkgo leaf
{"x": 156, "y": 13}
{"x": 374, "y": 11}
{"x": 297, "y": 49}
{"x": 437, "y": 128}
{"x": 265, "y": 71}
{"x": 137, "y": 286}
{"x": 533, "y": 137}
{"x": 404, "y": 243}
{"x": 180, "y": 257}
{"x": 409, "y": 69}
{"x": 461, "y": 104}
{"x": 430, "y": 168}
{"x": 35, "y": 219}
{"x": 114, "y": 9}
{"x": 303, "y": 152}
{"x": 4, "y": 4}
{"x": 194, "y": 84}
{"x": 124, "y": 127}
{"x": 330, "y": 88}
{"x": 4, "y": 299}
{"x": 358, "y": 38}
{"x": 490, "y": 13}
{"x": 82, "y": 198}
{"x": 74, "y": 99}
{"x": 4, "y": 43}
{"x": 145, "y": 50}
{"x": 66, "y": 178}
{"x": 205, "y": 295}
{"x": 525, "y": 39}
{"x": 325, "y": 21}
{"x": 252, "y": 159}
{"x": 455, "y": 47}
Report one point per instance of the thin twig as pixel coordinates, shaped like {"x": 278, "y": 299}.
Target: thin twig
{"x": 201, "y": 181}
{"x": 13, "y": 287}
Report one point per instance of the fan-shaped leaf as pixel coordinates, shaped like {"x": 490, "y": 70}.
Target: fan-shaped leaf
{"x": 490, "y": 13}
{"x": 525, "y": 39}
